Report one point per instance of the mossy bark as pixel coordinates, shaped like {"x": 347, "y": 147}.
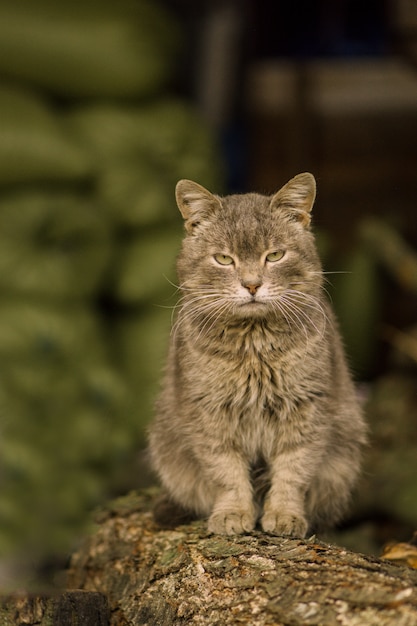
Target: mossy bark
{"x": 186, "y": 576}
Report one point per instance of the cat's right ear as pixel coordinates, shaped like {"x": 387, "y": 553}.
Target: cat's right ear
{"x": 297, "y": 198}
{"x": 194, "y": 202}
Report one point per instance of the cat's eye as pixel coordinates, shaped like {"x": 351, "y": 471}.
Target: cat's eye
{"x": 223, "y": 259}
{"x": 277, "y": 255}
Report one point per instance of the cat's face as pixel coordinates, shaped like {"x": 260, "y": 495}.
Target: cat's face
{"x": 249, "y": 256}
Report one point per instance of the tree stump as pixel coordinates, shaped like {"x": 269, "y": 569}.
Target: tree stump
{"x": 186, "y": 576}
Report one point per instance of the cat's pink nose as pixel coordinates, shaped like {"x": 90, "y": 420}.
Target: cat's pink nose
{"x": 253, "y": 288}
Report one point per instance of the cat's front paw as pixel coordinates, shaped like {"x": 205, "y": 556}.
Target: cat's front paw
{"x": 278, "y": 523}
{"x": 231, "y": 522}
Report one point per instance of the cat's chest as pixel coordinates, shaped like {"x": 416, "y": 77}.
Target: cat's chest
{"x": 247, "y": 382}
{"x": 253, "y": 374}
{"x": 251, "y": 399}
{"x": 253, "y": 405}
{"x": 254, "y": 379}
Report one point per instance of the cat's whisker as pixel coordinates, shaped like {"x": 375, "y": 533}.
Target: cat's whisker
{"x": 310, "y": 302}
{"x": 291, "y": 310}
{"x": 319, "y": 284}
{"x": 197, "y": 297}
{"x": 288, "y": 311}
{"x": 296, "y": 304}
{"x": 327, "y": 292}
{"x": 184, "y": 301}
{"x": 173, "y": 308}
{"x": 299, "y": 300}
{"x": 304, "y": 283}
{"x": 177, "y": 287}
{"x": 333, "y": 272}
{"x": 182, "y": 287}
{"x": 192, "y": 308}
{"x": 210, "y": 311}
{"x": 166, "y": 306}
{"x": 211, "y": 320}
{"x": 324, "y": 274}
{"x": 201, "y": 287}
{"x": 281, "y": 309}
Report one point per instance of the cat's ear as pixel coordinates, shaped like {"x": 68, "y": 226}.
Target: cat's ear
{"x": 297, "y": 197}
{"x": 194, "y": 202}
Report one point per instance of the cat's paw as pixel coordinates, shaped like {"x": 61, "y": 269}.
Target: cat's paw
{"x": 277, "y": 523}
{"x": 231, "y": 523}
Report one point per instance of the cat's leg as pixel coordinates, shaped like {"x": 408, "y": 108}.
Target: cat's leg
{"x": 234, "y": 510}
{"x": 217, "y": 486}
{"x": 284, "y": 507}
{"x": 206, "y": 482}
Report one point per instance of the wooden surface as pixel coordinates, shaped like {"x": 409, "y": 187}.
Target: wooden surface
{"x": 186, "y": 576}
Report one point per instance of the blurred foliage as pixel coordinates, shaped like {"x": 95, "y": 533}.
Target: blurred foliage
{"x": 92, "y": 142}
{"x": 90, "y": 48}
{"x": 34, "y": 144}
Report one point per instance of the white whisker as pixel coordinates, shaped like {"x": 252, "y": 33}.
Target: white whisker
{"x": 177, "y": 287}
{"x": 293, "y": 312}
{"x": 211, "y": 320}
{"x": 309, "y": 301}
{"x": 278, "y": 305}
{"x": 208, "y": 304}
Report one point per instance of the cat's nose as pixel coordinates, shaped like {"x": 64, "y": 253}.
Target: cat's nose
{"x": 252, "y": 287}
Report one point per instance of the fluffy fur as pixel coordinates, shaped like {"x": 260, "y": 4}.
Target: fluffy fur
{"x": 258, "y": 418}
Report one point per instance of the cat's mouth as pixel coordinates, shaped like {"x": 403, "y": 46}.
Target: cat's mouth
{"x": 255, "y": 302}
{"x": 253, "y": 305}
{"x": 255, "y": 299}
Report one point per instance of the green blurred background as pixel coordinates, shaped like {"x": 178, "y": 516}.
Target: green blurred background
{"x": 103, "y": 107}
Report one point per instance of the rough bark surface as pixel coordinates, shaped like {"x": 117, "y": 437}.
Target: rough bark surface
{"x": 186, "y": 576}
{"x": 72, "y": 608}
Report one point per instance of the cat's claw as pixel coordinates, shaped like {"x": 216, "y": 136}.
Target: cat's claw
{"x": 277, "y": 523}
{"x": 231, "y": 523}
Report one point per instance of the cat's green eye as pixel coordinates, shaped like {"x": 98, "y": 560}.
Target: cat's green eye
{"x": 277, "y": 255}
{"x": 223, "y": 259}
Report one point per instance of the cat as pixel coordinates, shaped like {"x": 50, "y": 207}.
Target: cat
{"x": 257, "y": 420}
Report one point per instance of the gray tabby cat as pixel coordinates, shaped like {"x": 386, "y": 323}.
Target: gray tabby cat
{"x": 258, "y": 418}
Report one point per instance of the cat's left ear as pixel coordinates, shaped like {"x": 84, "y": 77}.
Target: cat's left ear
{"x": 297, "y": 196}
{"x": 195, "y": 202}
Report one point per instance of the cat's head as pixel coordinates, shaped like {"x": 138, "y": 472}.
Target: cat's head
{"x": 249, "y": 255}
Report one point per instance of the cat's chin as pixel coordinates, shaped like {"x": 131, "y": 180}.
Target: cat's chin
{"x": 253, "y": 308}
